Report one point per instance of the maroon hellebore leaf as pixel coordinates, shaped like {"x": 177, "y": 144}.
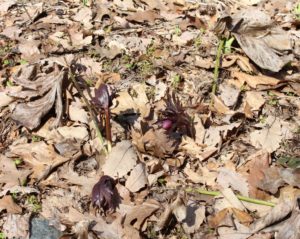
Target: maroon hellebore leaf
{"x": 102, "y": 97}
{"x": 103, "y": 193}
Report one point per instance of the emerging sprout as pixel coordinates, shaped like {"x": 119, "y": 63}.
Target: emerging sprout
{"x": 103, "y": 193}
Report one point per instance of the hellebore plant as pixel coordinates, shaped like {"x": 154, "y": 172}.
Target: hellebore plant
{"x": 103, "y": 101}
{"x": 174, "y": 117}
{"x": 104, "y": 194}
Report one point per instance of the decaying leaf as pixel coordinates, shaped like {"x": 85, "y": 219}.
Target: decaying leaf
{"x": 155, "y": 141}
{"x": 41, "y": 157}
{"x": 31, "y": 113}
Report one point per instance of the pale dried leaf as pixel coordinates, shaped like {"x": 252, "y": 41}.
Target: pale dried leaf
{"x": 138, "y": 214}
{"x": 256, "y": 81}
{"x": 277, "y": 213}
{"x": 16, "y": 226}
{"x": 127, "y": 103}
{"x": 74, "y": 132}
{"x": 78, "y": 114}
{"x": 121, "y": 160}
{"x": 137, "y": 178}
{"x": 255, "y": 100}
{"x": 230, "y": 178}
{"x": 31, "y": 113}
{"x": 229, "y": 94}
{"x": 268, "y": 138}
{"x": 220, "y": 107}
{"x": 232, "y": 198}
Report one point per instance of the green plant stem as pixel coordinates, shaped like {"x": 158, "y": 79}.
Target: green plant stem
{"x": 93, "y": 116}
{"x": 217, "y": 66}
{"x": 242, "y": 198}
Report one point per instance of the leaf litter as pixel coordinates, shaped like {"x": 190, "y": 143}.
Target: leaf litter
{"x": 117, "y": 121}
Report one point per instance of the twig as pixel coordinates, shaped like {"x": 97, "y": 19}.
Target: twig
{"x": 94, "y": 119}
{"x": 217, "y": 66}
{"x": 242, "y": 198}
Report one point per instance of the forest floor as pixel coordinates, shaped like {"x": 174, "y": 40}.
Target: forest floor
{"x": 150, "y": 119}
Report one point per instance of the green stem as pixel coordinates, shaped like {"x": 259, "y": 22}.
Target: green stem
{"x": 217, "y": 66}
{"x": 93, "y": 116}
{"x": 242, "y": 198}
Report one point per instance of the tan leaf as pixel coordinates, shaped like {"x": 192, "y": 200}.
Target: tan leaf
{"x": 74, "y": 132}
{"x": 131, "y": 103}
{"x": 78, "y": 114}
{"x": 137, "y": 178}
{"x": 221, "y": 218}
{"x": 219, "y": 106}
{"x": 10, "y": 175}
{"x": 229, "y": 94}
{"x": 243, "y": 217}
{"x": 268, "y": 138}
{"x": 255, "y": 81}
{"x": 232, "y": 198}
{"x": 155, "y": 141}
{"x": 144, "y": 16}
{"x": 121, "y": 160}
{"x": 138, "y": 214}
{"x": 256, "y": 164}
{"x": 255, "y": 100}
{"x": 41, "y": 157}
{"x": 8, "y": 204}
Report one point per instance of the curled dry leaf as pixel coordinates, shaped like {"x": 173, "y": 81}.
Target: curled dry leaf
{"x": 30, "y": 114}
{"x": 277, "y": 213}
{"x": 156, "y": 142}
{"x": 249, "y": 23}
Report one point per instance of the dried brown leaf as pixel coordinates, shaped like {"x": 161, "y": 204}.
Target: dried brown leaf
{"x": 41, "y": 157}
{"x": 31, "y": 113}
{"x": 8, "y": 204}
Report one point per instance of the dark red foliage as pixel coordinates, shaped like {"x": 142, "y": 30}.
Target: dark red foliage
{"x": 102, "y": 97}
{"x": 104, "y": 193}
{"x": 175, "y": 118}
{"x": 103, "y": 100}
